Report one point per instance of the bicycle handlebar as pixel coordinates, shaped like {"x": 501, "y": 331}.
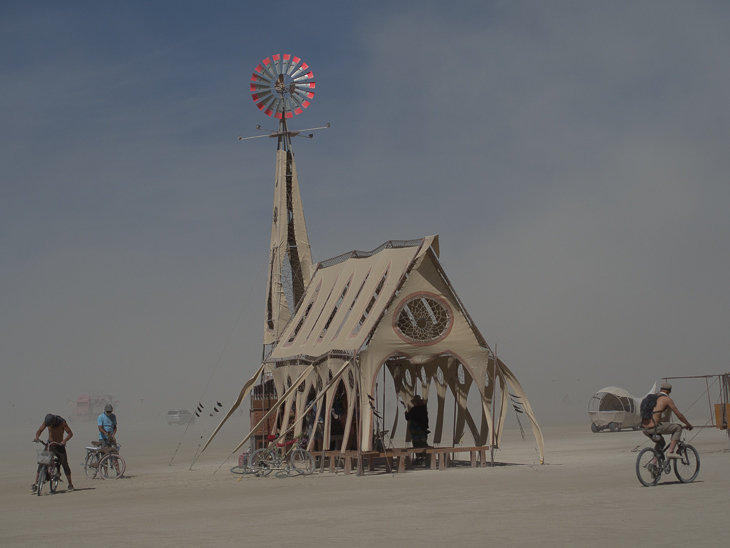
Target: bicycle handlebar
{"x": 47, "y": 444}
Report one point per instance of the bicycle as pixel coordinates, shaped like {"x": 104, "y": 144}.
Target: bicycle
{"x": 243, "y": 464}
{"x": 107, "y": 465}
{"x": 652, "y": 462}
{"x": 50, "y": 468}
{"x": 295, "y": 461}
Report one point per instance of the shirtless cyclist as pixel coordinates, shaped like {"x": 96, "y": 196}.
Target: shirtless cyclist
{"x": 59, "y": 432}
{"x": 654, "y": 425}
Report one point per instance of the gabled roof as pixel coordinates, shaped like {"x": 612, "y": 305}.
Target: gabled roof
{"x": 345, "y": 298}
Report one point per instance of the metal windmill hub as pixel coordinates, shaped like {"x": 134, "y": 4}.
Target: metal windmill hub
{"x": 282, "y": 86}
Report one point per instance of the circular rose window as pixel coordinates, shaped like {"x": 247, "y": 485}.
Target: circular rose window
{"x": 423, "y": 319}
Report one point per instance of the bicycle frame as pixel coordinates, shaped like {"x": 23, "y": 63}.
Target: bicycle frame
{"x": 50, "y": 472}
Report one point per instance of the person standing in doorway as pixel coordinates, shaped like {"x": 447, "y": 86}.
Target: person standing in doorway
{"x": 417, "y": 417}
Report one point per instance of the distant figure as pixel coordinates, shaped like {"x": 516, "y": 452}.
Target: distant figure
{"x": 107, "y": 423}
{"x": 653, "y": 425}
{"x": 417, "y": 418}
{"x": 314, "y": 426}
{"x": 56, "y": 427}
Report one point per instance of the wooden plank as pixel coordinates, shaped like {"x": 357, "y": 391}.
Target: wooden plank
{"x": 430, "y": 450}
{"x": 473, "y": 459}
{"x": 722, "y": 414}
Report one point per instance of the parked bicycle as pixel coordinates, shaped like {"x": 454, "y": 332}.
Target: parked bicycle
{"x": 104, "y": 462}
{"x": 652, "y": 462}
{"x": 243, "y": 467}
{"x": 50, "y": 468}
{"x": 285, "y": 458}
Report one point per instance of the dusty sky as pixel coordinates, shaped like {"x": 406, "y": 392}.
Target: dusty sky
{"x": 573, "y": 156}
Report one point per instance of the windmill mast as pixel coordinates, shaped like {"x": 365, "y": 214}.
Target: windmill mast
{"x": 281, "y": 87}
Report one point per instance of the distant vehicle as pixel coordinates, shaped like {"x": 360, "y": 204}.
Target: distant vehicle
{"x": 87, "y": 408}
{"x": 180, "y": 416}
{"x": 614, "y": 408}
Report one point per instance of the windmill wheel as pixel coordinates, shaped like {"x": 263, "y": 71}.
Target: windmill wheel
{"x": 282, "y": 86}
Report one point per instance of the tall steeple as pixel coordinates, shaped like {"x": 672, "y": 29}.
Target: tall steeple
{"x": 290, "y": 257}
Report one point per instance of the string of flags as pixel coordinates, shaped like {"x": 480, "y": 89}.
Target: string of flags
{"x": 216, "y": 408}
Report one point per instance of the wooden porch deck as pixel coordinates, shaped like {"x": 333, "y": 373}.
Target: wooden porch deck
{"x": 400, "y": 458}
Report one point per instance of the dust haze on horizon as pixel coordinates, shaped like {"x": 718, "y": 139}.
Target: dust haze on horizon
{"x": 572, "y": 156}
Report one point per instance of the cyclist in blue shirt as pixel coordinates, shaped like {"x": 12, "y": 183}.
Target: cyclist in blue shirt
{"x": 107, "y": 422}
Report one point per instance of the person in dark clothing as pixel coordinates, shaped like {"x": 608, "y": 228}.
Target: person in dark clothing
{"x": 417, "y": 417}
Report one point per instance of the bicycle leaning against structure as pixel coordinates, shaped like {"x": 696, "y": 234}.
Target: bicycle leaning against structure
{"x": 295, "y": 460}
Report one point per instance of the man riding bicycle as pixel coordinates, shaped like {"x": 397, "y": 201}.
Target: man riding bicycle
{"x": 57, "y": 426}
{"x": 654, "y": 425}
{"x": 107, "y": 423}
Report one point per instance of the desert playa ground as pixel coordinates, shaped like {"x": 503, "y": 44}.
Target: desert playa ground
{"x": 586, "y": 494}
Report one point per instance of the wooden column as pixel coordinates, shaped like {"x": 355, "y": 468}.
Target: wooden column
{"x": 348, "y": 464}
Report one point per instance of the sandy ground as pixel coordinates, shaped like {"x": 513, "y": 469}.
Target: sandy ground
{"x": 586, "y": 495}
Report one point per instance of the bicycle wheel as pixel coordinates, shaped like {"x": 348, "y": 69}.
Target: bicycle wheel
{"x": 687, "y": 466}
{"x": 264, "y": 461}
{"x": 268, "y": 462}
{"x": 302, "y": 461}
{"x": 255, "y": 460}
{"x": 41, "y": 479}
{"x": 91, "y": 465}
{"x": 112, "y": 466}
{"x": 53, "y": 482}
{"x": 648, "y": 469}
{"x": 247, "y": 465}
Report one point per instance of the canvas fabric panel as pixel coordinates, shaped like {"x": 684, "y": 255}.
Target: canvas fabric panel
{"x": 241, "y": 396}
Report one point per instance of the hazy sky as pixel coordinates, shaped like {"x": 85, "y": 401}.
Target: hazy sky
{"x": 573, "y": 157}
